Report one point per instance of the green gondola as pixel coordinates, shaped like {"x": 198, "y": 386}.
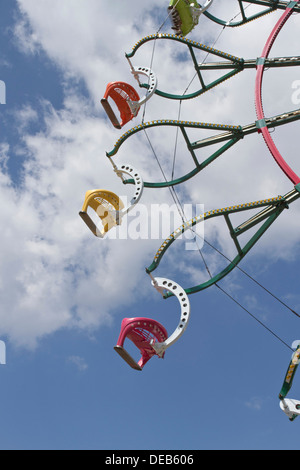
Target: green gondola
{"x": 185, "y": 15}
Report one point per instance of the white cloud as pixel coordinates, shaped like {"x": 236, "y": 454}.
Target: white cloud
{"x": 79, "y": 362}
{"x": 55, "y": 274}
{"x": 255, "y": 403}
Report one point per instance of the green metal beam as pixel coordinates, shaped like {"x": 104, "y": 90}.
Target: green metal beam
{"x": 272, "y": 5}
{"x": 271, "y": 209}
{"x": 276, "y": 62}
{"x": 290, "y": 374}
{"x": 226, "y": 140}
{"x": 236, "y": 64}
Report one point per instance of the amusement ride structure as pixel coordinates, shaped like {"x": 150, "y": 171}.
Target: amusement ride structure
{"x": 149, "y": 336}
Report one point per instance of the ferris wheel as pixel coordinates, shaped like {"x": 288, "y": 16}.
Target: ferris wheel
{"x": 148, "y": 335}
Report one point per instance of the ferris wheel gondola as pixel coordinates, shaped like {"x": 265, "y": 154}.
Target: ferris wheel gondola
{"x": 185, "y": 14}
{"x": 126, "y": 97}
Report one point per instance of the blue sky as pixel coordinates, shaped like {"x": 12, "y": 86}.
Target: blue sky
{"x": 64, "y": 293}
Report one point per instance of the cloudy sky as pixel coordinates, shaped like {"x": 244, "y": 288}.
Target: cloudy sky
{"x": 64, "y": 292}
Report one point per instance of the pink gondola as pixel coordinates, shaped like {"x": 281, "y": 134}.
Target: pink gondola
{"x": 143, "y": 332}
